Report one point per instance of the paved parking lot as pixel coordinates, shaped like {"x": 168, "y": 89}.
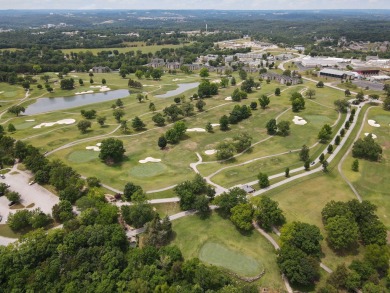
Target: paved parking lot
{"x": 41, "y": 197}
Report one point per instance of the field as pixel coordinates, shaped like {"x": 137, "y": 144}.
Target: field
{"x": 216, "y": 236}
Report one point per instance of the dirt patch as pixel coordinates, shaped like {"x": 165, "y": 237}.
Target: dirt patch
{"x": 191, "y": 146}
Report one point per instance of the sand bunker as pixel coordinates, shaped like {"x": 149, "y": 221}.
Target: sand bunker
{"x": 101, "y": 88}
{"x": 83, "y": 93}
{"x": 196, "y": 130}
{"x": 299, "y": 120}
{"x": 373, "y": 135}
{"x": 149, "y": 160}
{"x": 216, "y": 81}
{"x": 215, "y": 124}
{"x": 2, "y": 92}
{"x": 177, "y": 79}
{"x": 210, "y": 152}
{"x": 228, "y": 99}
{"x": 373, "y": 123}
{"x": 95, "y": 148}
{"x": 30, "y": 120}
{"x": 63, "y": 121}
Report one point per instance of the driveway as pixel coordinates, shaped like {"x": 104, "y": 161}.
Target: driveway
{"x": 30, "y": 194}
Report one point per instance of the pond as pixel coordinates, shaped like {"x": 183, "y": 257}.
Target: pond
{"x": 181, "y": 89}
{"x": 44, "y": 105}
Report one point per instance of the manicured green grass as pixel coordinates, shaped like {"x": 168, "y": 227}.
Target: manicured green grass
{"x": 83, "y": 156}
{"x": 6, "y": 231}
{"x": 235, "y": 261}
{"x": 192, "y": 233}
{"x": 140, "y": 47}
{"x": 148, "y": 170}
{"x": 371, "y": 181}
{"x": 167, "y": 209}
{"x": 303, "y": 200}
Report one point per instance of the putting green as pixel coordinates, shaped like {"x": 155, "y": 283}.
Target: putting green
{"x": 83, "y": 156}
{"x": 235, "y": 261}
{"x": 148, "y": 170}
{"x": 24, "y": 125}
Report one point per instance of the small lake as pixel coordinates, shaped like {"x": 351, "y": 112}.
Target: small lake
{"x": 44, "y": 105}
{"x": 181, "y": 89}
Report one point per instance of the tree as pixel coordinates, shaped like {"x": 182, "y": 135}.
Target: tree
{"x": 19, "y": 221}
{"x": 17, "y": 109}
{"x": 140, "y": 98}
{"x": 200, "y": 105}
{"x": 62, "y": 211}
{"x": 224, "y": 123}
{"x": 67, "y": 84}
{"x": 158, "y": 233}
{"x": 253, "y": 106}
{"x": 124, "y": 128}
{"x": 81, "y": 82}
{"x": 386, "y": 104}
{"x": 187, "y": 108}
{"x": 325, "y": 133}
{"x": 88, "y": 114}
{"x": 111, "y": 150}
{"x": 209, "y": 127}
{"x": 271, "y": 127}
{"x": 201, "y": 204}
{"x": 378, "y": 256}
{"x": 91, "y": 81}
{"x": 277, "y": 91}
{"x": 118, "y": 114}
{"x": 337, "y": 140}
{"x": 225, "y": 150}
{"x": 227, "y": 200}
{"x": 303, "y": 236}
{"x": 335, "y": 208}
{"x": 297, "y": 102}
{"x": 330, "y": 149}
{"x": 320, "y": 84}
{"x": 204, "y": 72}
{"x": 306, "y": 165}
{"x": 283, "y": 128}
{"x": 325, "y": 165}
{"x": 139, "y": 74}
{"x": 241, "y": 216}
{"x": 342, "y": 132}
{"x": 310, "y": 93}
{"x": 233, "y": 81}
{"x": 263, "y": 180}
{"x": 355, "y": 165}
{"x": 119, "y": 103}
{"x": 267, "y": 212}
{"x": 238, "y": 95}
{"x": 347, "y": 92}
{"x": 13, "y": 196}
{"x": 101, "y": 120}
{"x": 152, "y": 107}
{"x": 137, "y": 124}
{"x": 224, "y": 82}
{"x": 242, "y": 141}
{"x": 131, "y": 189}
{"x": 93, "y": 182}
{"x": 360, "y": 96}
{"x": 342, "y": 232}
{"x": 156, "y": 73}
{"x": 347, "y": 124}
{"x": 367, "y": 148}
{"x": 162, "y": 142}
{"x": 159, "y": 119}
{"x": 173, "y": 112}
{"x": 304, "y": 154}
{"x": 264, "y": 101}
{"x": 342, "y": 105}
{"x": 104, "y": 81}
{"x": 138, "y": 215}
{"x": 11, "y": 128}
{"x": 243, "y": 75}
{"x": 247, "y": 85}
{"x": 83, "y": 126}
{"x": 287, "y": 172}
{"x": 297, "y": 266}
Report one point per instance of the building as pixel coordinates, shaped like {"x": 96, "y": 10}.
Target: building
{"x": 173, "y": 65}
{"x": 332, "y": 73}
{"x": 366, "y": 71}
{"x": 157, "y": 62}
{"x": 282, "y": 79}
{"x": 311, "y": 62}
{"x": 100, "y": 69}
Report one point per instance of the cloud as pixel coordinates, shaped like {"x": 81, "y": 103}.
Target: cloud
{"x": 198, "y": 4}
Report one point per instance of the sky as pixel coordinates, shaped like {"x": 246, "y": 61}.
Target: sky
{"x": 196, "y": 4}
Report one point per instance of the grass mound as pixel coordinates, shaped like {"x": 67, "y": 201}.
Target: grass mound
{"x": 148, "y": 170}
{"x": 235, "y": 261}
{"x": 83, "y": 156}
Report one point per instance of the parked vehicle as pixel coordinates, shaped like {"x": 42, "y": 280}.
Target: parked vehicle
{"x": 2, "y": 176}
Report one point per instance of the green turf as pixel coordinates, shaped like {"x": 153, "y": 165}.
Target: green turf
{"x": 6, "y": 231}
{"x": 192, "y": 233}
{"x": 83, "y": 156}
{"x": 148, "y": 170}
{"x": 235, "y": 261}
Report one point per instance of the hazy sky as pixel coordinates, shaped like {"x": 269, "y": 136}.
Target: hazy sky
{"x": 195, "y": 4}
